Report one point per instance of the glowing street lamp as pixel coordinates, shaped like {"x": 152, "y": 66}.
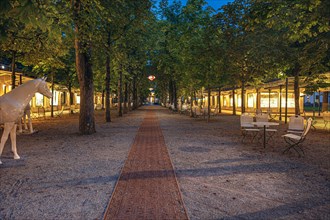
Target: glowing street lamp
{"x": 151, "y": 77}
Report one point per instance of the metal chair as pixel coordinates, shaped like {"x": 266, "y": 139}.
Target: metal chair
{"x": 271, "y": 114}
{"x": 60, "y": 112}
{"x": 294, "y": 141}
{"x": 326, "y": 119}
{"x": 296, "y": 124}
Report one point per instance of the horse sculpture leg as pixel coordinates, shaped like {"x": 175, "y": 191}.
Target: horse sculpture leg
{"x": 24, "y": 117}
{"x": 20, "y": 130}
{"x": 28, "y": 113}
{"x": 13, "y": 141}
{"x": 6, "y": 130}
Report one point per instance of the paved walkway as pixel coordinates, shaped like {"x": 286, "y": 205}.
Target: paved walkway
{"x": 147, "y": 187}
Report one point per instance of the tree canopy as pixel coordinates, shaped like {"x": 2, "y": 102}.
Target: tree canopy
{"x": 108, "y": 46}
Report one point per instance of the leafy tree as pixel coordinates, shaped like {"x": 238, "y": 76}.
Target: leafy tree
{"x": 304, "y": 28}
{"x": 26, "y": 37}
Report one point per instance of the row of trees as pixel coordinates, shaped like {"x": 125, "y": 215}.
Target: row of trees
{"x": 107, "y": 45}
{"x": 94, "y": 44}
{"x": 246, "y": 42}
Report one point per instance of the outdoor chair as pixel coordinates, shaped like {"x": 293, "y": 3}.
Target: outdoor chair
{"x": 258, "y": 111}
{"x": 304, "y": 115}
{"x": 271, "y": 114}
{"x": 199, "y": 112}
{"x": 326, "y": 118}
{"x": 294, "y": 141}
{"x": 60, "y": 112}
{"x": 247, "y": 129}
{"x": 73, "y": 109}
{"x": 261, "y": 117}
{"x": 296, "y": 124}
{"x": 215, "y": 112}
{"x": 182, "y": 109}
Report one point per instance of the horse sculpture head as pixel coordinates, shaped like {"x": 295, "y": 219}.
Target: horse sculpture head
{"x": 43, "y": 88}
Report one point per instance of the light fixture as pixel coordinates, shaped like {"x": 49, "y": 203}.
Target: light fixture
{"x": 151, "y": 77}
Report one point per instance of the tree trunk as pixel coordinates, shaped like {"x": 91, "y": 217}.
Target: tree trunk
{"x": 243, "y": 97}
{"x": 52, "y": 100}
{"x": 135, "y": 97}
{"x": 170, "y": 91}
{"x": 70, "y": 96}
{"x": 219, "y": 100}
{"x": 192, "y": 104}
{"x": 125, "y": 97}
{"x": 107, "y": 90}
{"x": 234, "y": 103}
{"x": 296, "y": 90}
{"x": 86, "y": 85}
{"x": 120, "y": 93}
{"x": 208, "y": 102}
{"x": 85, "y": 76}
{"x": 129, "y": 96}
{"x": 13, "y": 73}
{"x": 258, "y": 99}
{"x": 325, "y": 103}
{"x": 175, "y": 98}
{"x": 102, "y": 99}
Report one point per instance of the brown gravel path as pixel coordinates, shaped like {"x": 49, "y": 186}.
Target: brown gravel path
{"x": 147, "y": 187}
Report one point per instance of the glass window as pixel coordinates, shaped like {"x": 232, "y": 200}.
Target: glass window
{"x": 55, "y": 98}
{"x": 39, "y": 99}
{"x": 239, "y": 101}
{"x": 290, "y": 100}
{"x": 265, "y": 98}
{"x": 250, "y": 103}
{"x": 77, "y": 99}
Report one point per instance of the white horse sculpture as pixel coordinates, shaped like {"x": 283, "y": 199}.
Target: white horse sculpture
{"x": 12, "y": 107}
{"x": 27, "y": 113}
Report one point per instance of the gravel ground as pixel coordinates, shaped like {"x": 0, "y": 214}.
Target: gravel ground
{"x": 221, "y": 178}
{"x": 63, "y": 175}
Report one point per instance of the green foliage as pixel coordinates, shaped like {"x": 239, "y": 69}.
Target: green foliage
{"x": 245, "y": 42}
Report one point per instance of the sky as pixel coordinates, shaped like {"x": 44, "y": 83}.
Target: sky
{"x": 216, "y": 4}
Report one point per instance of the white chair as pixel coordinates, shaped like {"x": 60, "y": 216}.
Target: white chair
{"x": 215, "y": 112}
{"x": 296, "y": 124}
{"x": 258, "y": 111}
{"x": 261, "y": 117}
{"x": 294, "y": 141}
{"x": 326, "y": 119}
{"x": 60, "y": 112}
{"x": 271, "y": 114}
{"x": 247, "y": 128}
{"x": 198, "y": 112}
